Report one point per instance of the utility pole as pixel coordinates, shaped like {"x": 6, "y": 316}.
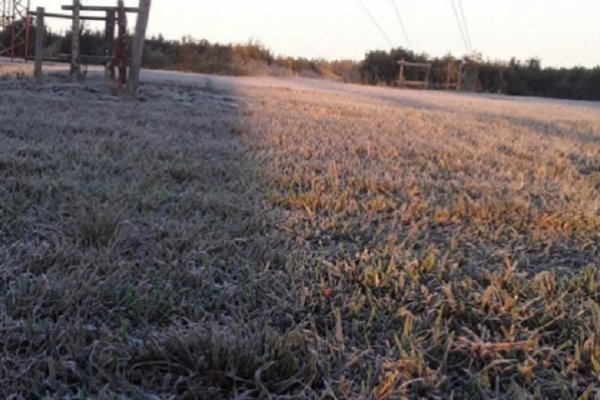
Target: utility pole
{"x": 137, "y": 51}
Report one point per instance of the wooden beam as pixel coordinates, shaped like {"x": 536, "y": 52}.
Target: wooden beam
{"x": 70, "y": 16}
{"x": 75, "y": 50}
{"x": 40, "y": 30}
{"x": 415, "y": 83}
{"x": 414, "y": 64}
{"x": 137, "y": 51}
{"x": 66, "y": 58}
{"x": 100, "y": 8}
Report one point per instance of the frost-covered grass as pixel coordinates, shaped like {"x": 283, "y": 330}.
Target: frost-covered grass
{"x": 271, "y": 243}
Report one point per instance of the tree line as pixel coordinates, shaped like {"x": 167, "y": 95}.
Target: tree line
{"x": 513, "y": 77}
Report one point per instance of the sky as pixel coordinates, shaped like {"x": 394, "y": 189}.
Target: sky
{"x": 560, "y": 32}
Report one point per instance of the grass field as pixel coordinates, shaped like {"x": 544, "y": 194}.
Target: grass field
{"x": 238, "y": 241}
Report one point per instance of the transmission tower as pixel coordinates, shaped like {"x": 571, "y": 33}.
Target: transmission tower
{"x": 14, "y": 28}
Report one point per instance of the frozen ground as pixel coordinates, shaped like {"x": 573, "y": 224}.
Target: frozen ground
{"x": 221, "y": 237}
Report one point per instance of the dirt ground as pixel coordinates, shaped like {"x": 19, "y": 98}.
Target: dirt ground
{"x": 220, "y": 237}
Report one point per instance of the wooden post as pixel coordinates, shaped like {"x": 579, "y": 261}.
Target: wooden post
{"x": 27, "y": 29}
{"x": 39, "y": 43}
{"x": 402, "y": 73}
{"x": 13, "y": 32}
{"x": 121, "y": 51}
{"x": 427, "y": 77}
{"x": 137, "y": 51}
{"x": 110, "y": 45}
{"x": 75, "y": 50}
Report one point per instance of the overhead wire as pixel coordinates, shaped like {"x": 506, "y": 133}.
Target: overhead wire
{"x": 465, "y": 24}
{"x": 399, "y": 17}
{"x": 460, "y": 27}
{"x": 414, "y": 28}
{"x": 385, "y": 36}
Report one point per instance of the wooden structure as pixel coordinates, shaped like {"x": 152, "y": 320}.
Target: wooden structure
{"x": 402, "y": 82}
{"x": 449, "y": 77}
{"x": 454, "y": 75}
{"x": 115, "y": 53}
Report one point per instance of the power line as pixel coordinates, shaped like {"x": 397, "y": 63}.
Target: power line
{"x": 401, "y": 23}
{"x": 414, "y": 28}
{"x": 376, "y": 24}
{"x": 465, "y": 25}
{"x": 460, "y": 27}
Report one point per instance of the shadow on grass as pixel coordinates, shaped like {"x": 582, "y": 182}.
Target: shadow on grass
{"x": 135, "y": 248}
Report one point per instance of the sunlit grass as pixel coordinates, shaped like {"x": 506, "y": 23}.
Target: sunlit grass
{"x": 275, "y": 243}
